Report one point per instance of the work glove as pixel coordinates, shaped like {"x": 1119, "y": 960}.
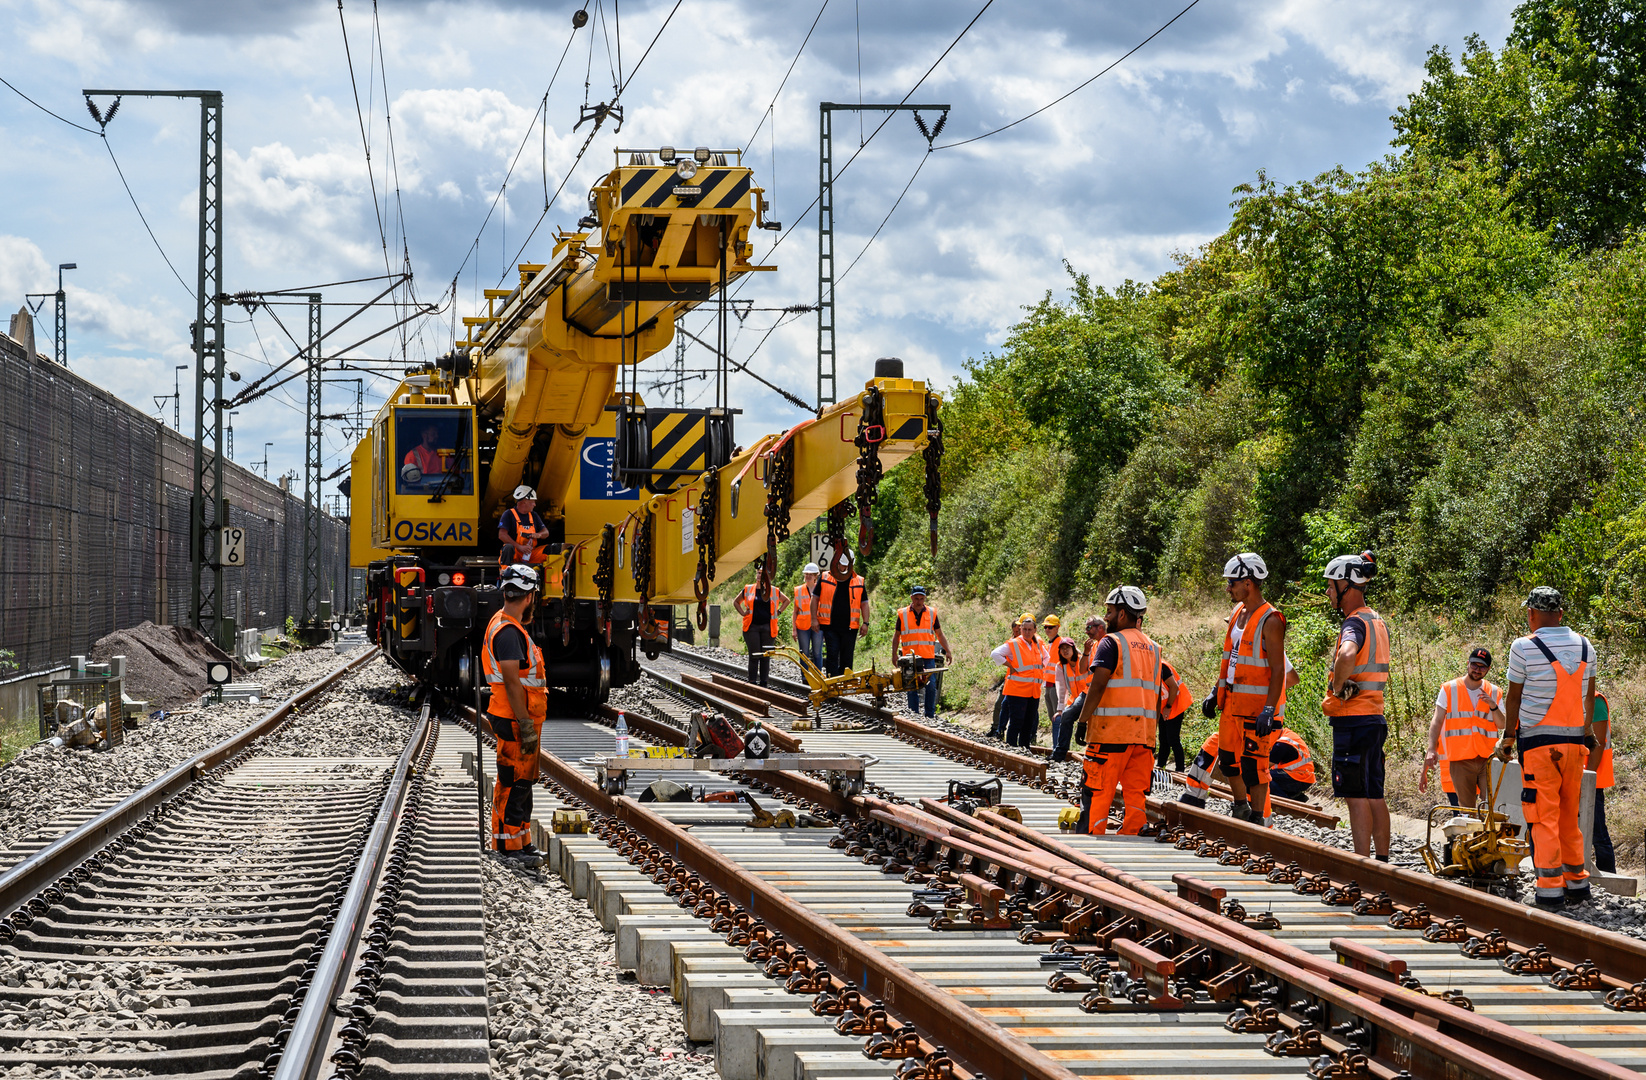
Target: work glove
{"x": 1266, "y": 723}
{"x": 1590, "y": 742}
{"x": 1350, "y": 689}
{"x": 1080, "y": 733}
{"x": 1208, "y": 707}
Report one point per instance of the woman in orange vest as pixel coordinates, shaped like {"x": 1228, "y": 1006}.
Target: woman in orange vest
{"x": 1020, "y": 703}
{"x": 760, "y": 604}
{"x": 917, "y": 632}
{"x": 808, "y": 632}
{"x": 1119, "y": 721}
{"x": 1073, "y": 680}
{"x": 841, "y": 601}
{"x": 1354, "y": 702}
{"x": 1464, "y": 730}
{"x": 1171, "y": 728}
{"x": 513, "y": 667}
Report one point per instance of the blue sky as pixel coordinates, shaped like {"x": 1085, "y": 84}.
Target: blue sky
{"x": 1137, "y": 166}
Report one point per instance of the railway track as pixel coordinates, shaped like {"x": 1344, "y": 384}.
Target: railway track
{"x": 253, "y": 914}
{"x": 920, "y": 937}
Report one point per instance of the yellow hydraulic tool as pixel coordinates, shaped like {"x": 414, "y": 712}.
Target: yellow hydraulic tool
{"x": 904, "y": 678}
{"x": 764, "y": 819}
{"x": 1479, "y": 846}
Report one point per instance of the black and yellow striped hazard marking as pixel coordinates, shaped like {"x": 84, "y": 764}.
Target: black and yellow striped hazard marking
{"x": 679, "y": 441}
{"x": 662, "y": 189}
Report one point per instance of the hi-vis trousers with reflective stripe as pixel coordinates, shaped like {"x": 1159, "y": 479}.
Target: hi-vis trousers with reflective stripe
{"x": 512, "y": 793}
{"x": 1131, "y": 769}
{"x": 1553, "y": 776}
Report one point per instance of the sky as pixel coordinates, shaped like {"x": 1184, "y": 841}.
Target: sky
{"x": 332, "y": 176}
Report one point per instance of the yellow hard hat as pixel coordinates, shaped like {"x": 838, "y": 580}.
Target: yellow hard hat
{"x": 1025, "y": 617}
{"x": 1053, "y": 620}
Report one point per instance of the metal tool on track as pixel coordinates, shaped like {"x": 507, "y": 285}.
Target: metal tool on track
{"x": 1480, "y": 847}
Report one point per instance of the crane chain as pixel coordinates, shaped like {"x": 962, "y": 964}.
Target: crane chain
{"x": 838, "y": 513}
{"x": 708, "y": 511}
{"x": 779, "y": 501}
{"x": 605, "y": 576}
{"x": 871, "y": 432}
{"x": 641, "y": 568}
{"x": 934, "y": 461}
{"x": 568, "y": 599}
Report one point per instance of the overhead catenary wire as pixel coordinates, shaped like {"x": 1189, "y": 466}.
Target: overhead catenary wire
{"x": 898, "y": 202}
{"x": 785, "y": 80}
{"x": 1056, "y": 101}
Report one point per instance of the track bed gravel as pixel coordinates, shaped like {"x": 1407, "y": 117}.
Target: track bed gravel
{"x": 355, "y": 719}
{"x": 558, "y": 1006}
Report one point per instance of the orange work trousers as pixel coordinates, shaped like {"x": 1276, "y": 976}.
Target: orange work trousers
{"x": 512, "y": 791}
{"x": 1131, "y": 768}
{"x": 1553, "y": 776}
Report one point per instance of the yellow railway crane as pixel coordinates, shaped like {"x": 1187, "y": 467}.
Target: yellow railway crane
{"x": 645, "y": 506}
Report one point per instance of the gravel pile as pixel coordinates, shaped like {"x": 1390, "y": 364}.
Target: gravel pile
{"x": 557, "y": 1005}
{"x": 45, "y": 782}
{"x": 165, "y": 665}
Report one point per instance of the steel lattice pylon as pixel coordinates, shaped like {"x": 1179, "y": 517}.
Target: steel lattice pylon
{"x": 311, "y": 468}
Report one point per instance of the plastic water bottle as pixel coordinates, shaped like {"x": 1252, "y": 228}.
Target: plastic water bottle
{"x": 622, "y": 736}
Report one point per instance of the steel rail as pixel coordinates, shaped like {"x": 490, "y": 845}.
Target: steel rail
{"x": 1620, "y": 959}
{"x": 41, "y": 869}
{"x": 1541, "y": 1057}
{"x": 302, "y": 1056}
{"x": 1404, "y": 1045}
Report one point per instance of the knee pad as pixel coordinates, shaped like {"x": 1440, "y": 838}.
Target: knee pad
{"x": 1227, "y": 763}
{"x": 1248, "y": 771}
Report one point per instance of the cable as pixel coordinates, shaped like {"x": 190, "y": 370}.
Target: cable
{"x": 140, "y": 216}
{"x": 365, "y": 140}
{"x": 1076, "y": 90}
{"x": 789, "y": 72}
{"x": 47, "y": 111}
{"x": 923, "y": 158}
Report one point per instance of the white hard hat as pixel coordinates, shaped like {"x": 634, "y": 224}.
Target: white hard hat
{"x": 811, "y": 568}
{"x": 1358, "y": 569}
{"x": 410, "y": 473}
{"x": 1128, "y": 596}
{"x": 1248, "y": 564}
{"x": 518, "y": 576}
{"x": 524, "y": 491}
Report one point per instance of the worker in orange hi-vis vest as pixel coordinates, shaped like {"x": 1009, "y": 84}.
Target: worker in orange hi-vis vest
{"x": 512, "y": 665}
{"x": 1464, "y": 730}
{"x": 1023, "y": 660}
{"x": 918, "y": 632}
{"x": 808, "y": 630}
{"x": 1550, "y": 707}
{"x": 1250, "y": 694}
{"x": 1121, "y": 717}
{"x": 760, "y": 604}
{"x": 1354, "y": 702}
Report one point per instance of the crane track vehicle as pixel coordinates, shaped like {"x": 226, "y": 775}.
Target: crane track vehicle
{"x": 644, "y": 506}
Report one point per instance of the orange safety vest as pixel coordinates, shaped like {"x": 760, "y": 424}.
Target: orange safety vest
{"x": 1128, "y": 713}
{"x": 1303, "y": 768}
{"x": 1023, "y": 662}
{"x": 537, "y": 689}
{"x": 1371, "y": 670}
{"x": 1603, "y": 773}
{"x": 804, "y": 604}
{"x": 1564, "y": 717}
{"x": 1079, "y": 677}
{"x": 1051, "y": 657}
{"x": 1466, "y": 728}
{"x": 748, "y": 602}
{"x": 912, "y": 637}
{"x": 1179, "y": 704}
{"x": 1247, "y": 693}
{"x": 825, "y": 600}
{"x": 525, "y": 551}
{"x": 427, "y": 461}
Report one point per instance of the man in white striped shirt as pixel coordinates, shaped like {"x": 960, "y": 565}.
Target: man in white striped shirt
{"x": 1551, "y": 708}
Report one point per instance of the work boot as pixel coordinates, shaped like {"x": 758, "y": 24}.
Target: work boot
{"x": 1579, "y": 895}
{"x": 1242, "y": 811}
{"x": 522, "y": 859}
{"x": 1551, "y": 903}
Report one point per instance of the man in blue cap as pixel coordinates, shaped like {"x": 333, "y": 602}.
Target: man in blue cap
{"x": 917, "y": 632}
